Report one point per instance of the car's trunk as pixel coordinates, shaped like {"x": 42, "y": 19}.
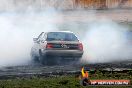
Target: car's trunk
{"x": 70, "y": 45}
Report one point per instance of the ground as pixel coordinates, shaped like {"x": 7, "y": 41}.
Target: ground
{"x": 65, "y": 81}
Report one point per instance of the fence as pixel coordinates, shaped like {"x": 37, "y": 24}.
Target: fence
{"x": 6, "y": 5}
{"x": 102, "y": 4}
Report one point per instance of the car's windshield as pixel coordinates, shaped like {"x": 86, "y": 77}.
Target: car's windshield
{"x": 53, "y": 36}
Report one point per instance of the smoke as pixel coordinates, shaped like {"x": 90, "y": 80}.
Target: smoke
{"x": 17, "y": 31}
{"x": 103, "y": 39}
{"x": 106, "y": 41}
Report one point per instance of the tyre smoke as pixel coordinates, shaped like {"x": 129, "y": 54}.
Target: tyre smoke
{"x": 17, "y": 32}
{"x": 103, "y": 40}
{"x": 106, "y": 41}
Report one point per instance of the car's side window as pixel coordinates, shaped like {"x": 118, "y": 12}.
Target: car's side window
{"x": 40, "y": 36}
{"x": 44, "y": 36}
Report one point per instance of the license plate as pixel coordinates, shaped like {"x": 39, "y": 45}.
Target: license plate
{"x": 64, "y": 46}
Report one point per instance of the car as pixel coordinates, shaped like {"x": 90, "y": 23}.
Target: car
{"x": 56, "y": 47}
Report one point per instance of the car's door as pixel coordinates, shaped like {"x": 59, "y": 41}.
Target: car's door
{"x": 38, "y": 44}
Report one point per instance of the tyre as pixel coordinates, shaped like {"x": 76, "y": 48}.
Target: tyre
{"x": 34, "y": 58}
{"x": 42, "y": 58}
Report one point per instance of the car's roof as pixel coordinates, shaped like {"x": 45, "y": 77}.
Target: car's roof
{"x": 60, "y": 31}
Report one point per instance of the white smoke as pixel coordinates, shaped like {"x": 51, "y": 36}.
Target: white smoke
{"x": 17, "y": 31}
{"x": 103, "y": 40}
{"x": 106, "y": 41}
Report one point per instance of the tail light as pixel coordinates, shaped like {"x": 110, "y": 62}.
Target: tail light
{"x": 80, "y": 46}
{"x": 49, "y": 46}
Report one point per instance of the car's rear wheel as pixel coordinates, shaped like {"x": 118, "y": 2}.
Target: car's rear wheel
{"x": 42, "y": 58}
{"x": 34, "y": 58}
{"x": 46, "y": 59}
